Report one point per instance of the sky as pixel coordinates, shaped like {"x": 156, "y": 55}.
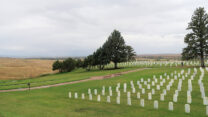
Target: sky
{"x": 57, "y": 28}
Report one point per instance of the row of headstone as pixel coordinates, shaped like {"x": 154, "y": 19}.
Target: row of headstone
{"x": 156, "y": 63}
{"x": 149, "y": 84}
{"x": 142, "y": 102}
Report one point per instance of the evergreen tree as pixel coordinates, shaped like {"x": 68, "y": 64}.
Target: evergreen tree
{"x": 197, "y": 39}
{"x": 115, "y": 48}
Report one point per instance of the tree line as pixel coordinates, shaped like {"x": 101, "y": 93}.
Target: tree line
{"x": 113, "y": 50}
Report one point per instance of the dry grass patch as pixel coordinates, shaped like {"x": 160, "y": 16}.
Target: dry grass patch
{"x": 11, "y": 68}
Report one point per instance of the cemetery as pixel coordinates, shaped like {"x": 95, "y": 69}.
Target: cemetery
{"x": 170, "y": 89}
{"x": 87, "y": 74}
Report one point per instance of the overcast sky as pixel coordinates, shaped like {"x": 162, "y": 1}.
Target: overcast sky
{"x": 50, "y": 28}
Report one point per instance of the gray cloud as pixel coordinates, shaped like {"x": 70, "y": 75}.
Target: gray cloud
{"x": 78, "y": 27}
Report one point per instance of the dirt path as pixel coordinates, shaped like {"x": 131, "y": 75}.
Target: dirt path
{"x": 73, "y": 82}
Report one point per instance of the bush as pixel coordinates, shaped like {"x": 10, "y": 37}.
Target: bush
{"x": 69, "y": 65}
{"x": 65, "y": 66}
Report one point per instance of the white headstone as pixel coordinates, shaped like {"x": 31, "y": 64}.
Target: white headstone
{"x": 143, "y": 91}
{"x": 153, "y": 83}
{"x": 153, "y": 91}
{"x": 90, "y": 96}
{"x": 83, "y": 96}
{"x": 175, "y": 98}
{"x": 206, "y": 110}
{"x": 128, "y": 94}
{"x": 95, "y": 91}
{"x": 175, "y": 77}
{"x": 164, "y": 92}
{"x": 108, "y": 99}
{"x": 170, "y": 106}
{"x": 205, "y": 100}
{"x": 138, "y": 82}
{"x": 129, "y": 101}
{"x": 187, "y": 108}
{"x": 189, "y": 99}
{"x": 160, "y": 77}
{"x": 149, "y": 96}
{"x": 89, "y": 91}
{"x": 118, "y": 93}
{"x": 118, "y": 100}
{"x": 70, "y": 95}
{"x": 161, "y": 83}
{"x": 125, "y": 86}
{"x": 117, "y": 89}
{"x": 118, "y": 85}
{"x": 110, "y": 88}
{"x": 98, "y": 98}
{"x": 162, "y": 97}
{"x": 110, "y": 92}
{"x": 75, "y": 95}
{"x": 158, "y": 87}
{"x": 155, "y": 80}
{"x": 148, "y": 86}
{"x": 103, "y": 92}
{"x": 155, "y": 104}
{"x": 142, "y": 102}
{"x": 140, "y": 86}
{"x": 168, "y": 77}
{"x": 133, "y": 90}
{"x": 168, "y": 87}
{"x": 138, "y": 95}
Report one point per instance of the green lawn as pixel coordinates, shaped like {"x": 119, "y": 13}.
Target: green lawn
{"x": 78, "y": 74}
{"x": 54, "y": 101}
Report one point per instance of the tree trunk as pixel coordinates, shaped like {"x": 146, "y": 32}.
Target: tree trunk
{"x": 115, "y": 65}
{"x": 202, "y": 60}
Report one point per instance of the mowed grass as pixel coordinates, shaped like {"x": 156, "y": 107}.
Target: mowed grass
{"x": 54, "y": 101}
{"x": 78, "y": 74}
{"x": 11, "y": 68}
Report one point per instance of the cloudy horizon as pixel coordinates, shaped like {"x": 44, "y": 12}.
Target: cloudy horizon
{"x": 52, "y": 28}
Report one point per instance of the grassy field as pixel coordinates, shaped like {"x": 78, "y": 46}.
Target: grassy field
{"x": 54, "y": 101}
{"x": 24, "y": 68}
{"x": 78, "y": 74}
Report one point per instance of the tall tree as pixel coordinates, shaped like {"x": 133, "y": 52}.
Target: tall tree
{"x": 197, "y": 38}
{"x": 130, "y": 53}
{"x": 115, "y": 48}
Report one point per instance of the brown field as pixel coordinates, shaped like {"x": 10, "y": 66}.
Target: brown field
{"x": 11, "y": 68}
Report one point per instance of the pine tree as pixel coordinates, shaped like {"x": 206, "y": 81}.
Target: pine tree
{"x": 197, "y": 38}
{"x": 115, "y": 48}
